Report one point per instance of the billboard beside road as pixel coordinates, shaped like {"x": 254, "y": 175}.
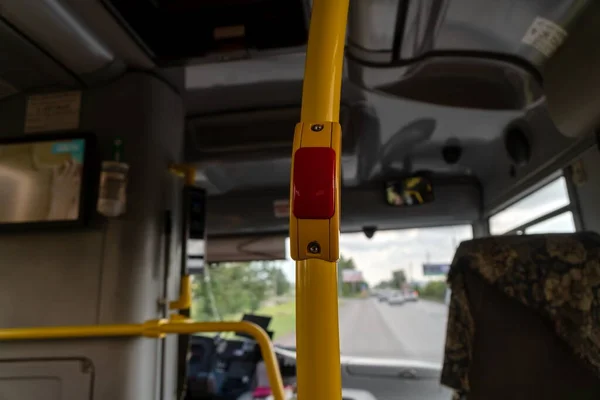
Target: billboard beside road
{"x": 435, "y": 269}
{"x": 352, "y": 275}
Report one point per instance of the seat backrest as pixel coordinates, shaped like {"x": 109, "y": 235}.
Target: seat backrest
{"x": 524, "y": 318}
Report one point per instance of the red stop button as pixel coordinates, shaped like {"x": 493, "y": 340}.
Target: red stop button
{"x": 314, "y": 183}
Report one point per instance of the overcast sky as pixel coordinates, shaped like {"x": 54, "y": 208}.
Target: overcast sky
{"x": 404, "y": 249}
{"x": 409, "y": 249}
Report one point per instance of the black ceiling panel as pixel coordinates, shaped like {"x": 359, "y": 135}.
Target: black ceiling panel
{"x": 181, "y": 30}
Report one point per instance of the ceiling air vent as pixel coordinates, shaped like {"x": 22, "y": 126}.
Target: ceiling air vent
{"x": 243, "y": 133}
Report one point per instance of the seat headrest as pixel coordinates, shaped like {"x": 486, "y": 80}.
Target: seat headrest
{"x": 551, "y": 280}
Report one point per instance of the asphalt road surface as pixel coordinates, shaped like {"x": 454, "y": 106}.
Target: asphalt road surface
{"x": 413, "y": 330}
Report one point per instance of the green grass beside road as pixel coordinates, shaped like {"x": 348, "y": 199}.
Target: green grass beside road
{"x": 434, "y": 291}
{"x": 433, "y": 298}
{"x": 283, "y": 314}
{"x": 284, "y": 318}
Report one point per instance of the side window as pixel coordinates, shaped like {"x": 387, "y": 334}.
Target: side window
{"x": 547, "y": 210}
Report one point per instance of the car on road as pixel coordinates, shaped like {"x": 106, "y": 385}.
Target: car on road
{"x": 384, "y": 296}
{"x": 397, "y": 298}
{"x": 412, "y": 295}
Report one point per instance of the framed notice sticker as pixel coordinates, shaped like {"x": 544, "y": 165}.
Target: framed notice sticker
{"x": 53, "y": 112}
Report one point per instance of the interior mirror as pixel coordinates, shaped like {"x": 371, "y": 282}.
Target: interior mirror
{"x": 411, "y": 191}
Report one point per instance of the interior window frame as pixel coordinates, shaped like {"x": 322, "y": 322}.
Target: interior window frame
{"x": 566, "y": 213}
{"x": 522, "y": 228}
{"x": 572, "y": 206}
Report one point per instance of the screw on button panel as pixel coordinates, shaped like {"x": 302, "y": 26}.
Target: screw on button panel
{"x": 314, "y": 248}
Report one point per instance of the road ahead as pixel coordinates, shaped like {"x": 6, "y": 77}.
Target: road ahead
{"x": 413, "y": 331}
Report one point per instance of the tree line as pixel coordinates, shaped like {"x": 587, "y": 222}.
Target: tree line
{"x": 349, "y": 289}
{"x": 435, "y": 290}
{"x": 228, "y": 289}
{"x": 397, "y": 281}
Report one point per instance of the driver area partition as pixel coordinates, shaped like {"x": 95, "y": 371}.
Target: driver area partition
{"x": 111, "y": 272}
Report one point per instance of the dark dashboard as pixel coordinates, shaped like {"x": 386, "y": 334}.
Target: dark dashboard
{"x": 231, "y": 368}
{"x": 225, "y": 369}
{"x": 228, "y": 368}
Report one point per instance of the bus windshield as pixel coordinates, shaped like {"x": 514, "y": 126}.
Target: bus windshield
{"x": 392, "y": 293}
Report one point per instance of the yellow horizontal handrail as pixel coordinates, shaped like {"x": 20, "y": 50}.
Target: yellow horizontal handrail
{"x": 157, "y": 329}
{"x": 70, "y": 332}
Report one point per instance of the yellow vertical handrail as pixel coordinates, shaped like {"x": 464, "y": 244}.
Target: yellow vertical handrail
{"x": 158, "y": 329}
{"x": 184, "y": 301}
{"x": 315, "y": 240}
{"x": 324, "y": 61}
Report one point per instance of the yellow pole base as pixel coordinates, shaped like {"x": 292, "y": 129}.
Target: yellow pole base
{"x": 317, "y": 332}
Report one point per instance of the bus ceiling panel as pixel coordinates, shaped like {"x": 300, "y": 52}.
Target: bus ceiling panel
{"x": 282, "y": 68}
{"x": 549, "y": 151}
{"x": 183, "y": 31}
{"x": 397, "y": 146}
{"x": 249, "y": 95}
{"x": 408, "y": 153}
{"x": 99, "y": 20}
{"x": 392, "y": 32}
{"x": 502, "y": 27}
{"x": 572, "y": 81}
{"x": 263, "y": 171}
{"x": 383, "y": 138}
{"x": 60, "y": 32}
{"x": 397, "y": 116}
{"x": 371, "y": 118}
{"x": 255, "y": 135}
{"x": 244, "y": 175}
{"x": 244, "y": 130}
{"x": 246, "y": 248}
{"x": 242, "y": 98}
{"x": 277, "y": 68}
{"x": 253, "y": 212}
{"x": 25, "y": 67}
{"x": 455, "y": 81}
{"x": 272, "y": 168}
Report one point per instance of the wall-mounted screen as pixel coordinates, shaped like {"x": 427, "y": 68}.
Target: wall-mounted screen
{"x": 42, "y": 179}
